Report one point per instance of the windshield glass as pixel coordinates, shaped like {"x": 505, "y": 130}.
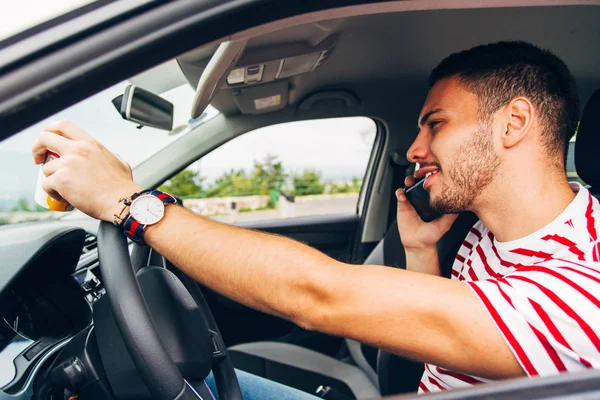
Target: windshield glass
{"x": 29, "y": 13}
{"x": 99, "y": 116}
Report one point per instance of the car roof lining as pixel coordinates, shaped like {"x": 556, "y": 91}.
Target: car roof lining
{"x": 569, "y": 31}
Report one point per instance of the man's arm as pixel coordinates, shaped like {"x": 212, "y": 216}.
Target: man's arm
{"x": 416, "y": 315}
{"x": 424, "y": 260}
{"x": 420, "y": 316}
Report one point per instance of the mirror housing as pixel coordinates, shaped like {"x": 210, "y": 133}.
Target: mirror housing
{"x": 145, "y": 108}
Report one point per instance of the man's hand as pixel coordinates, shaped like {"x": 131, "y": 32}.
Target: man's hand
{"x": 415, "y": 233}
{"x": 87, "y": 175}
{"x": 419, "y": 238}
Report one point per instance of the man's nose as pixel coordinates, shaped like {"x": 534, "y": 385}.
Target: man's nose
{"x": 419, "y": 149}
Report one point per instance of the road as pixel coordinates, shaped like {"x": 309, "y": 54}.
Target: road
{"x": 300, "y": 209}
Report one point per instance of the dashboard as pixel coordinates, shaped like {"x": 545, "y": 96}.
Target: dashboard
{"x": 49, "y": 280}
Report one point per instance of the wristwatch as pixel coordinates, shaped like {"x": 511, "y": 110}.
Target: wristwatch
{"x": 145, "y": 208}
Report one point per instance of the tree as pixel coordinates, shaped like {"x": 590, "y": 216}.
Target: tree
{"x": 309, "y": 182}
{"x": 347, "y": 187}
{"x": 22, "y": 205}
{"x": 356, "y": 184}
{"x": 268, "y": 175}
{"x": 185, "y": 183}
{"x": 265, "y": 177}
{"x": 232, "y": 183}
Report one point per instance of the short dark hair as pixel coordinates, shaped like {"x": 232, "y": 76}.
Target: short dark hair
{"x": 499, "y": 72}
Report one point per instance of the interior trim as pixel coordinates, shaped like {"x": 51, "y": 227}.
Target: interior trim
{"x": 398, "y": 6}
{"x": 373, "y": 208}
{"x": 309, "y": 360}
{"x": 25, "y": 392}
{"x": 355, "y": 350}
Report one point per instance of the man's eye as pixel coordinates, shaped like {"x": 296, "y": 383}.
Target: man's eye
{"x": 434, "y": 124}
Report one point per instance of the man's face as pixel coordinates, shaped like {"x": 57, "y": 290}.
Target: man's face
{"x": 455, "y": 145}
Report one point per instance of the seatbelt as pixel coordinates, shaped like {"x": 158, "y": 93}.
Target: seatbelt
{"x": 329, "y": 393}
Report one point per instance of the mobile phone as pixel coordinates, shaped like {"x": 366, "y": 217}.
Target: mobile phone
{"x": 419, "y": 198}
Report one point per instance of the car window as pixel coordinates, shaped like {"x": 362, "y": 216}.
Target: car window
{"x": 287, "y": 170}
{"x": 101, "y": 119}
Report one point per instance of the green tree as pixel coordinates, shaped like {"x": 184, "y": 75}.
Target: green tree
{"x": 232, "y": 183}
{"x": 339, "y": 188}
{"x": 356, "y": 184}
{"x": 268, "y": 175}
{"x": 347, "y": 187}
{"x": 185, "y": 183}
{"x": 22, "y": 205}
{"x": 309, "y": 182}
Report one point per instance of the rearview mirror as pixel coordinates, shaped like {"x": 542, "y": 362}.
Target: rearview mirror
{"x": 145, "y": 108}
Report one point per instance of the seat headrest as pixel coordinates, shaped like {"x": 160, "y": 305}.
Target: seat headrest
{"x": 587, "y": 143}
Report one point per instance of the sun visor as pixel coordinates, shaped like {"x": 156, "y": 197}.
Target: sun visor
{"x": 261, "y": 99}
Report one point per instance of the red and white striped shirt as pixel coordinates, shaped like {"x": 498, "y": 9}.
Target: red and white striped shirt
{"x": 541, "y": 291}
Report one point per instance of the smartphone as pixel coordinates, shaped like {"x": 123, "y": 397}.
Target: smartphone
{"x": 419, "y": 198}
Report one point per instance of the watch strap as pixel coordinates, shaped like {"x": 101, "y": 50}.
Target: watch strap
{"x": 133, "y": 229}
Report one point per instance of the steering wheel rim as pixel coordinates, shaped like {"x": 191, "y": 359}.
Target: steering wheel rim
{"x": 152, "y": 361}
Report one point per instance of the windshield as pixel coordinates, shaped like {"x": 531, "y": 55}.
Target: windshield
{"x": 98, "y": 116}
{"x": 28, "y": 13}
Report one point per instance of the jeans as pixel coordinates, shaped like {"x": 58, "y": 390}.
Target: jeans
{"x": 257, "y": 388}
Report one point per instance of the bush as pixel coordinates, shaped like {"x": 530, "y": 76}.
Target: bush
{"x": 309, "y": 182}
{"x": 348, "y": 187}
{"x": 185, "y": 184}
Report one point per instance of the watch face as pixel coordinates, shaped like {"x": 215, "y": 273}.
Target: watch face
{"x": 147, "y": 209}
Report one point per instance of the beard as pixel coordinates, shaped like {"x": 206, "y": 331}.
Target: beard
{"x": 473, "y": 168}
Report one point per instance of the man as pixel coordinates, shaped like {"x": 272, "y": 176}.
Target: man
{"x": 493, "y": 134}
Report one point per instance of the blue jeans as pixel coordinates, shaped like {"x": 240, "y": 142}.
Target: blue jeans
{"x": 257, "y": 388}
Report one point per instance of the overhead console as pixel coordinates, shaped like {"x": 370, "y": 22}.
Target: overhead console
{"x": 268, "y": 64}
{"x": 259, "y": 79}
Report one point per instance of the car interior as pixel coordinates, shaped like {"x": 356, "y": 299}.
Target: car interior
{"x": 369, "y": 60}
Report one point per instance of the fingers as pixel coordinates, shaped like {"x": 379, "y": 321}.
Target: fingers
{"x": 69, "y": 130}
{"x": 48, "y": 141}
{"x": 53, "y": 166}
{"x": 409, "y": 181}
{"x": 403, "y": 203}
{"x": 59, "y": 137}
{"x": 49, "y": 186}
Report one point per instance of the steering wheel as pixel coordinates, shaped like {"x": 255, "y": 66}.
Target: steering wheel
{"x": 154, "y": 311}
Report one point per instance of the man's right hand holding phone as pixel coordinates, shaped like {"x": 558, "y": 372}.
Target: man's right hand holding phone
{"x": 419, "y": 238}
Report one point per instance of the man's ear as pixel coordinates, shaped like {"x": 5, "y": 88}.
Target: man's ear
{"x": 519, "y": 121}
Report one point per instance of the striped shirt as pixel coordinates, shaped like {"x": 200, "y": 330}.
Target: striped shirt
{"x": 542, "y": 292}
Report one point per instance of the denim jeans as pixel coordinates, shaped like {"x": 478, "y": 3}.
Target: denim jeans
{"x": 257, "y": 388}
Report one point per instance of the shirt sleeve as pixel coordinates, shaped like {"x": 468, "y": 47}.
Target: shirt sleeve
{"x": 548, "y": 315}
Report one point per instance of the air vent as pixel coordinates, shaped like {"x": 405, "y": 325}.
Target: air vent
{"x": 91, "y": 242}
{"x": 89, "y": 253}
